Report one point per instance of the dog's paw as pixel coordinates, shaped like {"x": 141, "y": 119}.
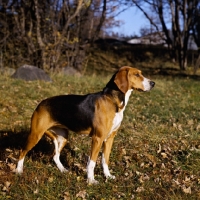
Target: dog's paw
{"x": 63, "y": 170}
{"x": 110, "y": 177}
{"x": 92, "y": 182}
{"x": 18, "y": 171}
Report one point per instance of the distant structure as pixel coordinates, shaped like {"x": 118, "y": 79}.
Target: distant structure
{"x": 158, "y": 38}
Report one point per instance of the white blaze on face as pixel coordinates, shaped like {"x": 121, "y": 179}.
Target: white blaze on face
{"x": 146, "y": 84}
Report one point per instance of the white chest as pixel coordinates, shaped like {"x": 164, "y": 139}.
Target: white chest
{"x": 117, "y": 120}
{"x": 119, "y": 115}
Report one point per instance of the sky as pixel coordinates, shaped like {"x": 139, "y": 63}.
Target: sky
{"x": 133, "y": 21}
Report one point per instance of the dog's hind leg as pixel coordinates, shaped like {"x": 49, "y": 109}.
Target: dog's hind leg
{"x": 33, "y": 139}
{"x": 59, "y": 139}
{"x": 38, "y": 127}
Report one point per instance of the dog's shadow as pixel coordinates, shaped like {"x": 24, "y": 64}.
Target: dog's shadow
{"x": 11, "y": 143}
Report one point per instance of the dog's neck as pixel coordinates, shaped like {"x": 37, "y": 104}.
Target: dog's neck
{"x": 120, "y": 99}
{"x": 127, "y": 95}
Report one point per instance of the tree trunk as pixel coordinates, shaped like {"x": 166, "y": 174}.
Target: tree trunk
{"x": 197, "y": 64}
{"x": 182, "y": 57}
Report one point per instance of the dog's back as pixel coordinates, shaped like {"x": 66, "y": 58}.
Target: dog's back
{"x": 76, "y": 112}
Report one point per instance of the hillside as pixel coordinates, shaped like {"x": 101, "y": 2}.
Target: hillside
{"x": 108, "y": 55}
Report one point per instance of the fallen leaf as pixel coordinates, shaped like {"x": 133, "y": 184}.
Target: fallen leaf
{"x": 142, "y": 165}
{"x": 176, "y": 182}
{"x": 180, "y": 128}
{"x": 12, "y": 166}
{"x": 198, "y": 127}
{"x": 50, "y": 179}
{"x": 164, "y": 155}
{"x": 162, "y": 166}
{"x": 9, "y": 150}
{"x": 143, "y": 178}
{"x": 127, "y": 160}
{"x": 6, "y": 186}
{"x": 36, "y": 191}
{"x": 126, "y": 174}
{"x": 159, "y": 149}
{"x": 123, "y": 151}
{"x": 140, "y": 189}
{"x": 82, "y": 194}
{"x": 36, "y": 180}
{"x": 187, "y": 179}
{"x": 186, "y": 190}
{"x": 190, "y": 122}
{"x": 151, "y": 158}
{"x": 5, "y": 189}
{"x": 138, "y": 173}
{"x": 66, "y": 196}
{"x": 174, "y": 125}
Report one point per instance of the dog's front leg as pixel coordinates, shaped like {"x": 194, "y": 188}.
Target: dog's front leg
{"x": 107, "y": 146}
{"x": 96, "y": 145}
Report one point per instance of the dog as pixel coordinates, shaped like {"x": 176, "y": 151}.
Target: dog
{"x": 98, "y": 115}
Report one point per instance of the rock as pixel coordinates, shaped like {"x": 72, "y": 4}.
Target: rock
{"x": 7, "y": 71}
{"x": 70, "y": 71}
{"x": 30, "y": 73}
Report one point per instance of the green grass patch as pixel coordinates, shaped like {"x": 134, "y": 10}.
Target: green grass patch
{"x": 156, "y": 153}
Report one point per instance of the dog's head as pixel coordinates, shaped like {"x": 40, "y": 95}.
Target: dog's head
{"x": 127, "y": 78}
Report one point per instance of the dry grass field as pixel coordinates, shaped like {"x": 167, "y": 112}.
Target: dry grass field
{"x": 156, "y": 153}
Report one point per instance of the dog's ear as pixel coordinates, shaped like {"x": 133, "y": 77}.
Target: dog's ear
{"x": 121, "y": 79}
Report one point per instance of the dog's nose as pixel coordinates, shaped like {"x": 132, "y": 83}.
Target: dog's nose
{"x": 152, "y": 83}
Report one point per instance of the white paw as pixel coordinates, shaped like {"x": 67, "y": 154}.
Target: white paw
{"x": 18, "y": 171}
{"x": 110, "y": 176}
{"x": 92, "y": 181}
{"x": 63, "y": 170}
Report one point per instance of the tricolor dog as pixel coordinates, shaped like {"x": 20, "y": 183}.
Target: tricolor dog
{"x": 98, "y": 115}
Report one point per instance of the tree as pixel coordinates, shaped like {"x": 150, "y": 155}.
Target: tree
{"x": 38, "y": 32}
{"x": 179, "y": 15}
{"x": 196, "y": 35}
{"x": 53, "y": 33}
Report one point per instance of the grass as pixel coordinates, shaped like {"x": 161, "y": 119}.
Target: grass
{"x": 156, "y": 153}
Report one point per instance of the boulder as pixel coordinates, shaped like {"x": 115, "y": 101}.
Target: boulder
{"x": 6, "y": 71}
{"x": 70, "y": 71}
{"x": 30, "y": 73}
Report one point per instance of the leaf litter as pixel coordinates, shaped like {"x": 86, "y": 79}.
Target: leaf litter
{"x": 157, "y": 151}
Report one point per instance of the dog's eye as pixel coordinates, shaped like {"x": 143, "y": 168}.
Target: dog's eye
{"x": 137, "y": 75}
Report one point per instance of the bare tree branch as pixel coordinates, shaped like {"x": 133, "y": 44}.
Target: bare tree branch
{"x": 181, "y": 21}
{"x": 39, "y": 37}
